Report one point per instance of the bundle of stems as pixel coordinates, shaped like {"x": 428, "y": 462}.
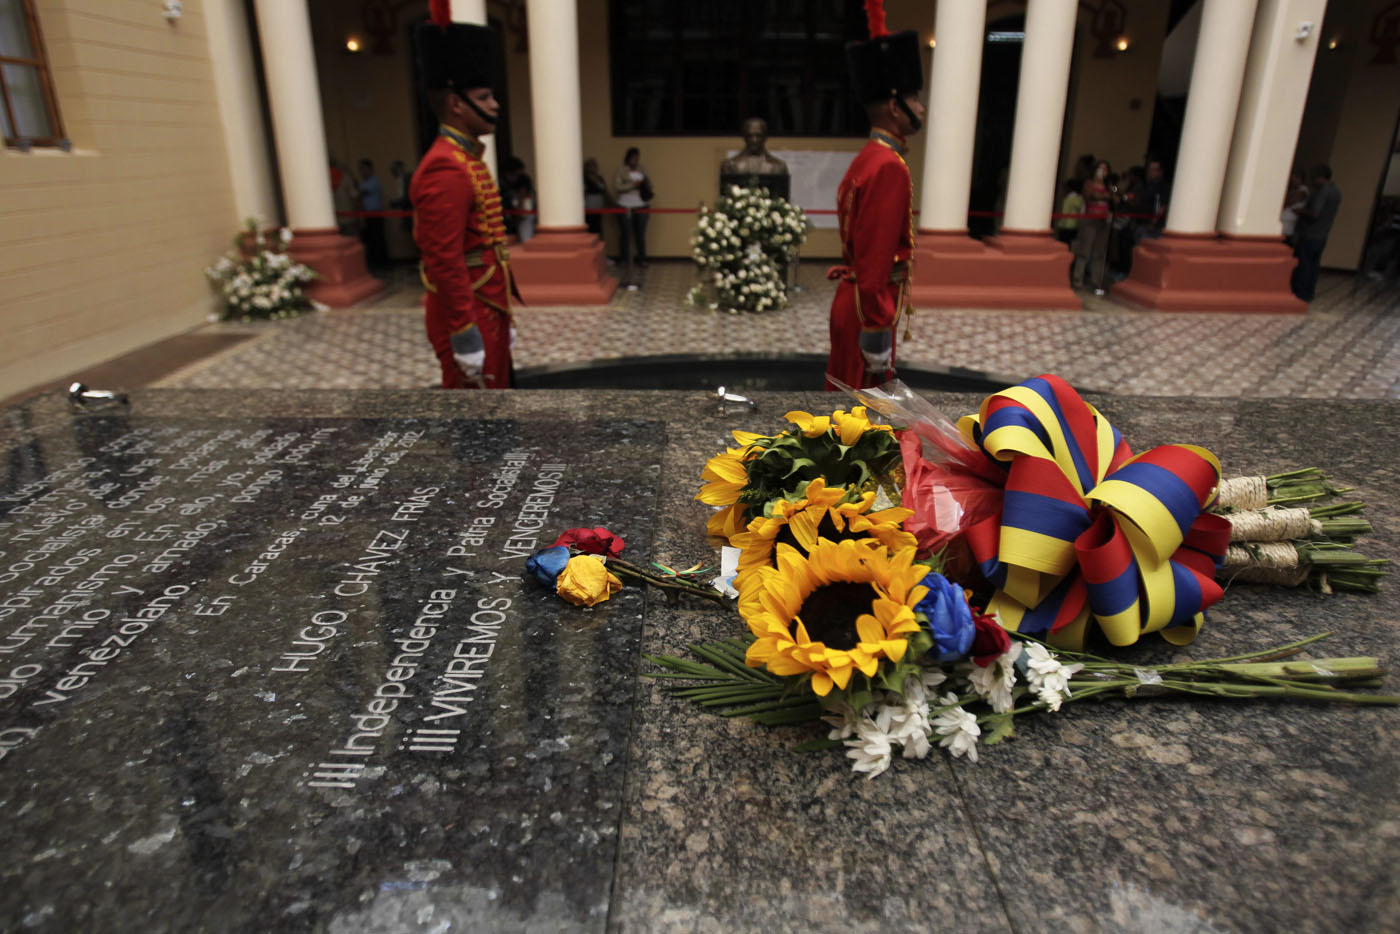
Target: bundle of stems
{"x": 1281, "y": 533}
{"x": 1260, "y": 674}
{"x": 1326, "y": 566}
{"x": 724, "y": 683}
{"x": 1337, "y": 522}
{"x": 672, "y": 583}
{"x": 1306, "y": 485}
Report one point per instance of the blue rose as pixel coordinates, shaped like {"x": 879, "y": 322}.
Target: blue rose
{"x": 547, "y": 564}
{"x": 949, "y": 618}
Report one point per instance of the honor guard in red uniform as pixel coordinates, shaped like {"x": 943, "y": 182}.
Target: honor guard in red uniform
{"x": 457, "y": 217}
{"x": 875, "y": 208}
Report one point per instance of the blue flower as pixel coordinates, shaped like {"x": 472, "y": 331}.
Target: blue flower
{"x": 949, "y": 618}
{"x": 547, "y": 564}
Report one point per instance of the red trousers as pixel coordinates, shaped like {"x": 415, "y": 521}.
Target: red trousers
{"x": 845, "y": 362}
{"x": 495, "y": 335}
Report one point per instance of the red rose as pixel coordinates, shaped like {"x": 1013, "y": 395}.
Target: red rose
{"x": 990, "y": 641}
{"x": 596, "y": 541}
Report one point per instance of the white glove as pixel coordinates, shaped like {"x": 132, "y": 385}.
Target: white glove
{"x": 512, "y": 337}
{"x": 877, "y": 348}
{"x": 472, "y": 364}
{"x": 876, "y": 362}
{"x": 469, "y": 351}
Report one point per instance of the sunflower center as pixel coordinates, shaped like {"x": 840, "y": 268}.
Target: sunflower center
{"x": 825, "y": 529}
{"x": 830, "y": 613}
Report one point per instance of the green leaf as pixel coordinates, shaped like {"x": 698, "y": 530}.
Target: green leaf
{"x": 998, "y": 727}
{"x": 818, "y": 745}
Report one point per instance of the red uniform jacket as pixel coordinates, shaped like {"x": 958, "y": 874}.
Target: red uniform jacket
{"x": 458, "y": 226}
{"x": 875, "y": 207}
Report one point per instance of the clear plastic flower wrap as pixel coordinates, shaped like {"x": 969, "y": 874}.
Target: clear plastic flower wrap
{"x": 948, "y": 481}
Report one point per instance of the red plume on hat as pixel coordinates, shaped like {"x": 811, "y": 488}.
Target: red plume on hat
{"x": 440, "y": 12}
{"x": 875, "y": 18}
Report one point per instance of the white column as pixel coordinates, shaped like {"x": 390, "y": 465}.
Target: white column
{"x": 954, "y": 77}
{"x": 289, "y": 61}
{"x": 1211, "y": 104}
{"x": 1040, "y": 113}
{"x": 474, "y": 11}
{"x": 555, "y": 107}
{"x": 240, "y": 110}
{"x": 1270, "y": 114}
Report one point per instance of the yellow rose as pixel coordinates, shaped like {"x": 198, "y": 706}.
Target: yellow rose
{"x": 586, "y": 581}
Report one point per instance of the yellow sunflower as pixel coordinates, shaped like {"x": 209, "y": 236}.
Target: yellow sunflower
{"x": 821, "y": 512}
{"x": 849, "y": 426}
{"x": 725, "y": 476}
{"x": 840, "y": 609}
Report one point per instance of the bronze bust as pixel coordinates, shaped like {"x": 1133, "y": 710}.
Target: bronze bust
{"x": 755, "y": 159}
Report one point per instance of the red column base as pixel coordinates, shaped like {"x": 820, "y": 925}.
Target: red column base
{"x": 1185, "y": 273}
{"x": 562, "y": 266}
{"x": 340, "y": 262}
{"x": 1012, "y": 270}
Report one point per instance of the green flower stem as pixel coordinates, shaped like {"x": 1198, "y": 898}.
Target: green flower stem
{"x": 1308, "y": 472}
{"x": 1336, "y": 509}
{"x": 673, "y": 584}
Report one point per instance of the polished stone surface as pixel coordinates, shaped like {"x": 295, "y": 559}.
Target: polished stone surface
{"x": 148, "y": 801}
{"x": 289, "y": 668}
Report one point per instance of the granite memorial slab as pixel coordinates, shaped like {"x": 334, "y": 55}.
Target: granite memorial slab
{"x": 284, "y": 673}
{"x": 170, "y": 791}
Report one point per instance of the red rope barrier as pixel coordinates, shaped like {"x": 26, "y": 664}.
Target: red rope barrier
{"x": 519, "y": 213}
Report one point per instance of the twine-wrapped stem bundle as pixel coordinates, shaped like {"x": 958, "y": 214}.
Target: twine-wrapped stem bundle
{"x": 1288, "y": 546}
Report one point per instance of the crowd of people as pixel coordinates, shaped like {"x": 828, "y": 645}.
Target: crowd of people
{"x": 1103, "y": 215}
{"x": 362, "y": 191}
{"x": 357, "y": 194}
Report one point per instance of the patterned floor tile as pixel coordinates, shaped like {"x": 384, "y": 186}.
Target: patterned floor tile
{"x": 1346, "y": 346}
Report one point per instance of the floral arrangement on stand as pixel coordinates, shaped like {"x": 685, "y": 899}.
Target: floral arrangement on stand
{"x": 258, "y": 280}
{"x": 925, "y": 587}
{"x": 743, "y": 247}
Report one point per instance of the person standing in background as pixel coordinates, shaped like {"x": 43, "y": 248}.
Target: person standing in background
{"x": 372, "y": 232}
{"x": 633, "y": 187}
{"x": 595, "y": 195}
{"x": 1091, "y": 242}
{"x": 1073, "y": 205}
{"x": 875, "y": 209}
{"x": 398, "y": 174}
{"x": 457, "y": 216}
{"x": 1315, "y": 219}
{"x": 1293, "y": 201}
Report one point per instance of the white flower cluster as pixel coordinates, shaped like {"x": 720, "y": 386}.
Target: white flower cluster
{"x": 259, "y": 280}
{"x": 909, "y": 721}
{"x": 744, "y": 242}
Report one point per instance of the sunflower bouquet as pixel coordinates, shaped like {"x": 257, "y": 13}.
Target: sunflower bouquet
{"x": 852, "y": 620}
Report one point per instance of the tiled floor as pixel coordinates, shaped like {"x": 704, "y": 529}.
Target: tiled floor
{"x": 1347, "y": 345}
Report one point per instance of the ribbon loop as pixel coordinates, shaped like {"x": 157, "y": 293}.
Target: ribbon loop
{"x": 1089, "y": 532}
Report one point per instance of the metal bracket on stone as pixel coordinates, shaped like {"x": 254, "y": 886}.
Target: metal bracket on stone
{"x": 81, "y": 397}
{"x": 733, "y": 398}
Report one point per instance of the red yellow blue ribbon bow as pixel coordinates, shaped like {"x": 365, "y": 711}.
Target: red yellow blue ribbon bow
{"x": 1088, "y": 531}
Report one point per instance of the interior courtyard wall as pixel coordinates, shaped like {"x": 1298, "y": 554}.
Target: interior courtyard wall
{"x": 102, "y": 249}
{"x": 1109, "y": 112}
{"x": 1360, "y": 152}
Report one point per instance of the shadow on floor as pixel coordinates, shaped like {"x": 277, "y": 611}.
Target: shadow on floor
{"x": 144, "y": 366}
{"x": 743, "y": 374}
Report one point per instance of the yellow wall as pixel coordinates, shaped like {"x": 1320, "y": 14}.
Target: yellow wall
{"x": 102, "y": 250}
{"x": 1100, "y": 115}
{"x": 685, "y": 169}
{"x": 1359, "y": 153}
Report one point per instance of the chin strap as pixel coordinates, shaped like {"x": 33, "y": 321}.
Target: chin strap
{"x": 914, "y": 121}
{"x": 490, "y": 119}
